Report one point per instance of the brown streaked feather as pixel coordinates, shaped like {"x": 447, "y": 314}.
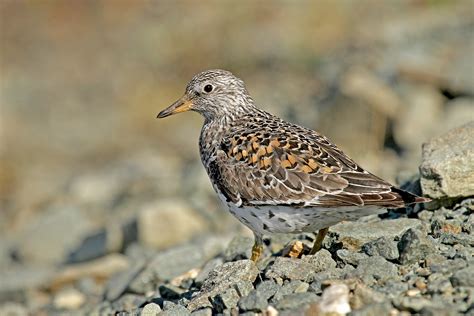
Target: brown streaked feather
{"x": 307, "y": 169}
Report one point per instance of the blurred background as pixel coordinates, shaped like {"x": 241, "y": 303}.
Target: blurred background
{"x": 87, "y": 170}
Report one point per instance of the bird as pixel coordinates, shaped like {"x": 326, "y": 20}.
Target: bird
{"x": 275, "y": 176}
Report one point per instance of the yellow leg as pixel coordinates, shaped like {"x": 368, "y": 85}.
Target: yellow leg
{"x": 318, "y": 243}
{"x": 257, "y": 249}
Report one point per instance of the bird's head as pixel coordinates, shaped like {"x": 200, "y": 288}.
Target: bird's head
{"x": 214, "y": 94}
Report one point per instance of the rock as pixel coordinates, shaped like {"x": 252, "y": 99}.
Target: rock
{"x": 295, "y": 286}
{"x": 335, "y": 299}
{"x": 120, "y": 281}
{"x": 239, "y": 248}
{"x": 375, "y": 309}
{"x": 464, "y": 277}
{"x": 320, "y": 277}
{"x": 150, "y": 309}
{"x": 171, "y": 309}
{"x": 354, "y": 234}
{"x": 222, "y": 278}
{"x": 202, "y": 312}
{"x": 13, "y": 309}
{"x": 350, "y": 257}
{"x": 17, "y": 278}
{"x": 226, "y": 300}
{"x": 208, "y": 267}
{"x": 296, "y": 300}
{"x": 49, "y": 237}
{"x": 382, "y": 246}
{"x": 447, "y": 170}
{"x": 170, "y": 292}
{"x": 414, "y": 246}
{"x": 101, "y": 268}
{"x": 168, "y": 223}
{"x": 128, "y": 303}
{"x": 267, "y": 289}
{"x": 375, "y": 269}
{"x": 69, "y": 299}
{"x": 171, "y": 263}
{"x": 255, "y": 301}
{"x": 243, "y": 288}
{"x": 300, "y": 269}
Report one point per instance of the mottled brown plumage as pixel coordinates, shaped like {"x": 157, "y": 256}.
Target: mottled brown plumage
{"x": 273, "y": 175}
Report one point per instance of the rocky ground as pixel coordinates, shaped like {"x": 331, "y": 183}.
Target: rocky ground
{"x": 413, "y": 261}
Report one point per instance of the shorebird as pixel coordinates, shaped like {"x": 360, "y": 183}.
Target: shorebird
{"x": 276, "y": 176}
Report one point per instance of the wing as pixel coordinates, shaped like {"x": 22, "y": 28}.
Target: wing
{"x": 294, "y": 166}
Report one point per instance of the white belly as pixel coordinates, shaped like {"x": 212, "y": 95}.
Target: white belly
{"x": 285, "y": 219}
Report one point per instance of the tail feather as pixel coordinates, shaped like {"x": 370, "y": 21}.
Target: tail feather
{"x": 410, "y": 198}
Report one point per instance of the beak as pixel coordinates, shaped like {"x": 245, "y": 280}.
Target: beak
{"x": 182, "y": 105}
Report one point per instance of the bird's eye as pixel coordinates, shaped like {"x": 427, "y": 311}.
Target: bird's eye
{"x": 208, "y": 88}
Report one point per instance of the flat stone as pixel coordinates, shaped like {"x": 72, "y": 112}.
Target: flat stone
{"x": 414, "y": 246}
{"x": 208, "y": 267}
{"x": 150, "y": 309}
{"x": 350, "y": 257}
{"x": 172, "y": 309}
{"x": 267, "y": 288}
{"x": 49, "y": 237}
{"x": 226, "y": 300}
{"x": 222, "y": 278}
{"x": 296, "y": 300}
{"x": 255, "y": 301}
{"x": 447, "y": 169}
{"x": 120, "y": 281}
{"x": 128, "y": 303}
{"x": 168, "y": 223}
{"x": 300, "y": 269}
{"x": 464, "y": 277}
{"x": 383, "y": 246}
{"x": 239, "y": 248}
{"x": 174, "y": 262}
{"x": 375, "y": 269}
{"x": 355, "y": 234}
{"x": 375, "y": 309}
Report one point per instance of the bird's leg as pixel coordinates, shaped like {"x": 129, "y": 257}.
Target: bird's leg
{"x": 318, "y": 243}
{"x": 257, "y": 248}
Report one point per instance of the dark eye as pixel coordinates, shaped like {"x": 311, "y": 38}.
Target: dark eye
{"x": 208, "y": 88}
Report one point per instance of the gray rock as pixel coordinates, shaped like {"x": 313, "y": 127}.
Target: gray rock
{"x": 464, "y": 277}
{"x": 208, "y": 267}
{"x": 18, "y": 278}
{"x": 255, "y": 301}
{"x": 51, "y": 235}
{"x": 171, "y": 292}
{"x": 447, "y": 169}
{"x": 243, "y": 288}
{"x": 150, "y": 309}
{"x": 172, "y": 309}
{"x": 350, "y": 257}
{"x": 119, "y": 282}
{"x": 222, "y": 278}
{"x": 375, "y": 269}
{"x": 334, "y": 273}
{"x": 414, "y": 246}
{"x": 296, "y": 300}
{"x": 375, "y": 309}
{"x": 202, "y": 312}
{"x": 414, "y": 304}
{"x": 171, "y": 263}
{"x": 128, "y": 303}
{"x": 382, "y": 246}
{"x": 226, "y": 300}
{"x": 295, "y": 286}
{"x": 13, "y": 309}
{"x": 168, "y": 223}
{"x": 355, "y": 234}
{"x": 267, "y": 289}
{"x": 239, "y": 248}
{"x": 300, "y": 269}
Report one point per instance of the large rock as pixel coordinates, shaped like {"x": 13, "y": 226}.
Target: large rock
{"x": 447, "y": 169}
{"x": 221, "y": 279}
{"x": 355, "y": 234}
{"x": 168, "y": 223}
